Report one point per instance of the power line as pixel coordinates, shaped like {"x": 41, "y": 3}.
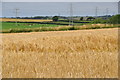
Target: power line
{"x": 58, "y": 14}
{"x": 119, "y": 7}
{"x": 96, "y": 11}
{"x": 16, "y": 14}
{"x": 107, "y": 12}
{"x": 71, "y": 15}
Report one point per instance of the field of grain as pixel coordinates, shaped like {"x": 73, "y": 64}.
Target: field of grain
{"x": 24, "y": 20}
{"x": 61, "y": 54}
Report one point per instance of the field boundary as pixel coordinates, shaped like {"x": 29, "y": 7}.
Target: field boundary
{"x": 61, "y": 28}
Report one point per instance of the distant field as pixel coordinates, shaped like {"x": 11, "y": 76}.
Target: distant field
{"x": 34, "y": 25}
{"x": 61, "y": 54}
{"x": 9, "y": 25}
{"x": 24, "y": 20}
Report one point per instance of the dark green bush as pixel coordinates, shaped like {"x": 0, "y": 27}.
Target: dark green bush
{"x": 55, "y": 18}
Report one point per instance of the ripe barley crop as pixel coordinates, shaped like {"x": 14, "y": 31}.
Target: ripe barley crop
{"x": 62, "y": 54}
{"x": 23, "y": 20}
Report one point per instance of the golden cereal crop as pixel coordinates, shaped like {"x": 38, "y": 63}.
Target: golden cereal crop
{"x": 24, "y": 20}
{"x": 61, "y": 54}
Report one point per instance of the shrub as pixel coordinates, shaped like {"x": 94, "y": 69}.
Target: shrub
{"x": 90, "y": 18}
{"x": 55, "y": 18}
{"x": 81, "y": 19}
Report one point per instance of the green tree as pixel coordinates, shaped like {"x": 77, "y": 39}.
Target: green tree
{"x": 55, "y": 18}
{"x": 90, "y": 18}
{"x": 115, "y": 19}
{"x": 81, "y": 18}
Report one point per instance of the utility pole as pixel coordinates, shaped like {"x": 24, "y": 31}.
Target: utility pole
{"x": 107, "y": 11}
{"x": 16, "y": 14}
{"x": 0, "y": 7}
{"x": 119, "y": 7}
{"x": 96, "y": 12}
{"x": 71, "y": 15}
{"x": 59, "y": 15}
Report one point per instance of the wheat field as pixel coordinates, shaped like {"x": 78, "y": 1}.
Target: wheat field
{"x": 61, "y": 54}
{"x": 24, "y": 20}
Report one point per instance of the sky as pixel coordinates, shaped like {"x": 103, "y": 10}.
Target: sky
{"x": 60, "y": 0}
{"x": 58, "y": 8}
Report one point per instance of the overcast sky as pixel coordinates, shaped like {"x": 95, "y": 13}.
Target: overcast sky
{"x": 8, "y": 9}
{"x": 58, "y": 8}
{"x": 59, "y": 0}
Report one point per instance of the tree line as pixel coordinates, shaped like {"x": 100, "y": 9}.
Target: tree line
{"x": 111, "y": 20}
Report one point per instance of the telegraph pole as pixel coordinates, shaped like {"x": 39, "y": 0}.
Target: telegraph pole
{"x": 16, "y": 14}
{"x": 71, "y": 15}
{"x": 59, "y": 15}
{"x": 107, "y": 11}
{"x": 119, "y": 7}
{"x": 96, "y": 12}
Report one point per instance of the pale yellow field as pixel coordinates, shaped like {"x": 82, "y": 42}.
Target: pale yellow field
{"x": 62, "y": 54}
{"x": 24, "y": 20}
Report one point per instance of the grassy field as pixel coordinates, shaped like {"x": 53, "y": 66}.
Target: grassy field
{"x": 61, "y": 54}
{"x": 13, "y": 25}
{"x": 9, "y": 25}
{"x": 35, "y": 25}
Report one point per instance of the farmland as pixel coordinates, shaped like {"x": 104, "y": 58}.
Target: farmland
{"x": 9, "y": 25}
{"x": 59, "y": 40}
{"x": 88, "y": 52}
{"x": 61, "y": 54}
{"x": 23, "y": 20}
